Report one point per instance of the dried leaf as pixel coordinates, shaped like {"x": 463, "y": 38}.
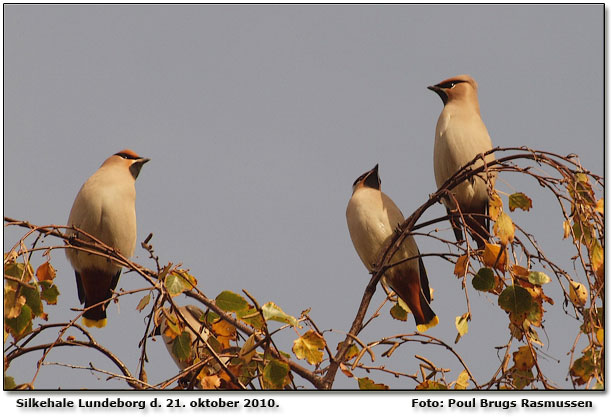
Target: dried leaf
{"x": 346, "y": 371}
{"x": 45, "y": 272}
{"x": 461, "y": 265}
{"x": 519, "y": 271}
{"x": 566, "y": 229}
{"x": 143, "y": 302}
{"x": 491, "y": 254}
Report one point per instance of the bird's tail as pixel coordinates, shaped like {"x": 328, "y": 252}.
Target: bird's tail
{"x": 407, "y": 284}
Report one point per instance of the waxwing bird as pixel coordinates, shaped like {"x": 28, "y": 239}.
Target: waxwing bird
{"x": 372, "y": 218}
{"x": 461, "y": 135}
{"x": 104, "y": 208}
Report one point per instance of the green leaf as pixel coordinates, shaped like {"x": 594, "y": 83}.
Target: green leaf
{"x": 519, "y": 200}
{"x": 273, "y": 312}
{"x": 398, "y": 313}
{"x": 367, "y": 384}
{"x": 179, "y": 281}
{"x": 247, "y": 351}
{"x": 251, "y": 317}
{"x": 310, "y": 347}
{"x": 230, "y": 301}
{"x": 275, "y": 374}
{"x": 181, "y": 347}
{"x": 32, "y": 297}
{"x": 18, "y": 271}
{"x": 9, "y": 382}
{"x": 49, "y": 292}
{"x": 538, "y": 278}
{"x": 515, "y": 299}
{"x": 20, "y": 324}
{"x": 484, "y": 280}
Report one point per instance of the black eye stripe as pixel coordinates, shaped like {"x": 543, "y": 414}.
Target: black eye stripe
{"x": 126, "y": 155}
{"x": 450, "y": 84}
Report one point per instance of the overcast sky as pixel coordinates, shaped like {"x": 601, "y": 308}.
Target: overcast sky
{"x": 257, "y": 120}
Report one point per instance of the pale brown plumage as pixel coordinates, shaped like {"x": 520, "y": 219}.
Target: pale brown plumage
{"x": 372, "y": 218}
{"x": 104, "y": 208}
{"x": 461, "y": 135}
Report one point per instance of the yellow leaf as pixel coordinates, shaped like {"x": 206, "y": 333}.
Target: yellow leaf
{"x": 495, "y": 206}
{"x": 12, "y": 304}
{"x": 461, "y": 323}
{"x": 461, "y": 265}
{"x": 504, "y": 228}
{"x": 566, "y": 229}
{"x": 600, "y": 336}
{"x": 600, "y": 206}
{"x": 578, "y": 293}
{"x": 310, "y": 347}
{"x": 519, "y": 271}
{"x": 462, "y": 380}
{"x": 225, "y": 333}
{"x": 210, "y": 382}
{"x": 367, "y": 384}
{"x": 523, "y": 360}
{"x": 491, "y": 254}
{"x": 597, "y": 255}
{"x": 45, "y": 272}
{"x": 519, "y": 200}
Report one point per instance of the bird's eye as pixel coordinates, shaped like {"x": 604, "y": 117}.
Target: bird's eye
{"x": 449, "y": 84}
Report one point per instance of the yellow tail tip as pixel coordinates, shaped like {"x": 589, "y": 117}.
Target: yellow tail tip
{"x": 422, "y": 328}
{"x": 94, "y": 323}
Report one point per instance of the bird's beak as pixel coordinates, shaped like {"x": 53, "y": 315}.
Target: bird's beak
{"x": 137, "y": 165}
{"x": 439, "y": 91}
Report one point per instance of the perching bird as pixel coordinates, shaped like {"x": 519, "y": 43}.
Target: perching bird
{"x": 372, "y": 218}
{"x": 104, "y": 208}
{"x": 460, "y": 136}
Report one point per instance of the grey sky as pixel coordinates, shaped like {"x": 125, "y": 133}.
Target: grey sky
{"x": 258, "y": 119}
